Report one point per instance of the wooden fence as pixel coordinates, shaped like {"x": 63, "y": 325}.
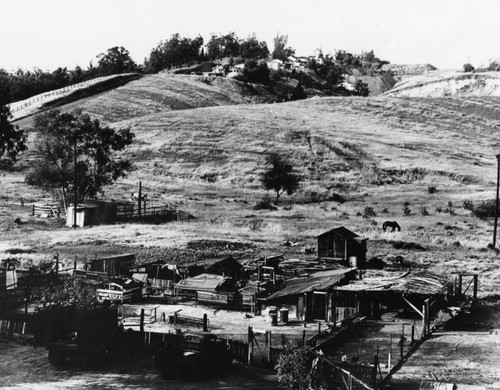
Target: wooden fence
{"x": 47, "y": 209}
{"x": 16, "y": 326}
{"x": 130, "y": 211}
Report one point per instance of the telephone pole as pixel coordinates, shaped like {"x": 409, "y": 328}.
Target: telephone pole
{"x": 74, "y": 190}
{"x": 496, "y": 203}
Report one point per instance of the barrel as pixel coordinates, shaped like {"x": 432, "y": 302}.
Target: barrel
{"x": 273, "y": 315}
{"x": 284, "y": 315}
{"x": 353, "y": 261}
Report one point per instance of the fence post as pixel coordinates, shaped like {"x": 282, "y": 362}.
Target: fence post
{"x": 205, "y": 322}
{"x": 304, "y": 338}
{"x": 33, "y": 214}
{"x": 374, "y": 371}
{"x": 475, "y": 287}
{"x": 266, "y": 347}
{"x": 428, "y": 313}
{"x": 390, "y": 353}
{"x": 250, "y": 345}
{"x": 424, "y": 322}
{"x": 141, "y": 326}
{"x": 413, "y": 333}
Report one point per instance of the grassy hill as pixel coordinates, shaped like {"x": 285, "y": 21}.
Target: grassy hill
{"x": 202, "y": 146}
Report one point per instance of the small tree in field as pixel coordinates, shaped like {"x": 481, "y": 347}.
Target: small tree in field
{"x": 64, "y": 137}
{"x": 279, "y": 176}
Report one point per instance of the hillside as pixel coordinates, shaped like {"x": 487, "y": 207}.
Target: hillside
{"x": 376, "y": 153}
{"x": 167, "y": 92}
{"x": 442, "y": 84}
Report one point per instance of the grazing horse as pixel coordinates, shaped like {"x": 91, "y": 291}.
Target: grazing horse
{"x": 392, "y": 224}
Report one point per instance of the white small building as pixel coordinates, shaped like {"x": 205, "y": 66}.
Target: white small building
{"x": 275, "y": 64}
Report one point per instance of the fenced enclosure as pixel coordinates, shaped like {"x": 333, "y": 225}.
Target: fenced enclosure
{"x": 130, "y": 211}
{"x": 46, "y": 209}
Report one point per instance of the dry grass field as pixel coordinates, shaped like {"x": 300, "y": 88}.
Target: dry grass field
{"x": 375, "y": 152}
{"x": 200, "y": 145}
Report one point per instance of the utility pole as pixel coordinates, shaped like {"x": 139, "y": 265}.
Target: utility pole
{"x": 496, "y": 203}
{"x": 74, "y": 189}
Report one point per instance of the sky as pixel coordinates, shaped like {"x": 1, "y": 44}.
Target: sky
{"x": 64, "y": 33}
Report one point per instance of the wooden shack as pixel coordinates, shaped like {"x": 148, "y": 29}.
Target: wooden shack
{"x": 92, "y": 213}
{"x": 343, "y": 246}
{"x": 311, "y": 296}
{"x": 227, "y": 267}
{"x": 210, "y": 288}
{"x": 113, "y": 265}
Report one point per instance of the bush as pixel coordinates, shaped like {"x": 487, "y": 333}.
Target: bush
{"x": 468, "y": 205}
{"x": 423, "y": 211}
{"x": 406, "y": 208}
{"x": 485, "y": 209}
{"x": 266, "y": 203}
{"x": 431, "y": 189}
{"x": 256, "y": 71}
{"x": 368, "y": 212}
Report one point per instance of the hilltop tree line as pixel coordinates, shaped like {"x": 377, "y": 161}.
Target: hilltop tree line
{"x": 178, "y": 50}
{"x": 22, "y": 84}
{"x": 174, "y": 52}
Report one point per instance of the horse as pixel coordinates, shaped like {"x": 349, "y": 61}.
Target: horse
{"x": 391, "y": 224}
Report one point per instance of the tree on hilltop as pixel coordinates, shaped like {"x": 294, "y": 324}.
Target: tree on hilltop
{"x": 279, "y": 176}
{"x": 174, "y": 52}
{"x": 468, "y": 68}
{"x": 116, "y": 60}
{"x": 61, "y": 137}
{"x": 253, "y": 48}
{"x": 281, "y": 50}
{"x": 220, "y": 46}
{"x": 12, "y": 139}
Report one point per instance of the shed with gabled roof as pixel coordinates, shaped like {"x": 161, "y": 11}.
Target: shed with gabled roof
{"x": 344, "y": 246}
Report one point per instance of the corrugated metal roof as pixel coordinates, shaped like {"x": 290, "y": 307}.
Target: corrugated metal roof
{"x": 319, "y": 281}
{"x": 424, "y": 283}
{"x": 203, "y": 282}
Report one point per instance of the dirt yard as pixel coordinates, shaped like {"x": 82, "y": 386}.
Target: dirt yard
{"x": 24, "y": 367}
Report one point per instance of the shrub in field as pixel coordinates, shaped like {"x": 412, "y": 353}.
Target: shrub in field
{"x": 423, "y": 211}
{"x": 485, "y": 209}
{"x": 468, "y": 205}
{"x": 406, "y": 208}
{"x": 431, "y": 189}
{"x": 450, "y": 208}
{"x": 368, "y": 212}
{"x": 266, "y": 203}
